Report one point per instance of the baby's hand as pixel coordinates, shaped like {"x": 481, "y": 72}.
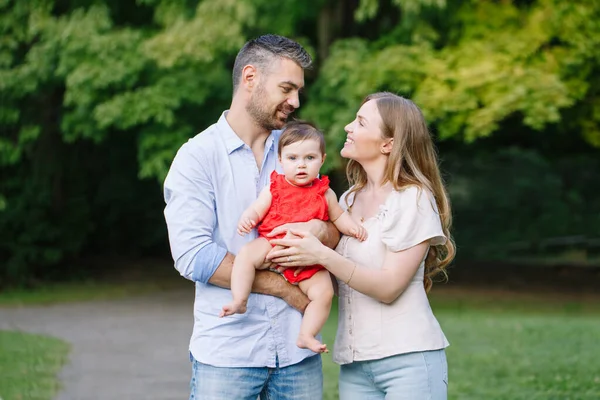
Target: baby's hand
{"x": 360, "y": 233}
{"x": 245, "y": 225}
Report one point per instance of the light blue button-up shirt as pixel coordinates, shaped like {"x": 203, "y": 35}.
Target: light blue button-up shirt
{"x": 213, "y": 179}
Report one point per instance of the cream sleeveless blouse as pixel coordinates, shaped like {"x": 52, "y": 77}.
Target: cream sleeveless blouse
{"x": 368, "y": 329}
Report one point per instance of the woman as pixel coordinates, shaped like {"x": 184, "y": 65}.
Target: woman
{"x": 389, "y": 344}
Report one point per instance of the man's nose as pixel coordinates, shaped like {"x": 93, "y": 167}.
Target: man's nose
{"x": 294, "y": 100}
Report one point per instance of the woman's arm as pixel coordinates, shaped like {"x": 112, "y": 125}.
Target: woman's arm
{"x": 385, "y": 284}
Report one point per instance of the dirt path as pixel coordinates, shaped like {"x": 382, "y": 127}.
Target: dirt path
{"x": 124, "y": 349}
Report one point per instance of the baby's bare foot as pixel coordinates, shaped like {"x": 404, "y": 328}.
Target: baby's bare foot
{"x": 309, "y": 342}
{"x": 235, "y": 307}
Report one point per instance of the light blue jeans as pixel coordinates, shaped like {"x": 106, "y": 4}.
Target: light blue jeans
{"x": 302, "y": 381}
{"x": 413, "y": 376}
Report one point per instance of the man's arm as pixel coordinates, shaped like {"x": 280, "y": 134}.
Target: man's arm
{"x": 191, "y": 220}
{"x": 191, "y": 217}
{"x": 265, "y": 282}
{"x": 326, "y": 232}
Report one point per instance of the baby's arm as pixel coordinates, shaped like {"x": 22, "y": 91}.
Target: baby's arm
{"x": 342, "y": 219}
{"x": 256, "y": 212}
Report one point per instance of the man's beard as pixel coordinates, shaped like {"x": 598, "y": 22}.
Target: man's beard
{"x": 264, "y": 117}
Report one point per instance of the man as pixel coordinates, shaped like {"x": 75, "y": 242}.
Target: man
{"x": 213, "y": 178}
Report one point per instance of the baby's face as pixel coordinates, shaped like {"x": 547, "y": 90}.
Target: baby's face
{"x": 301, "y": 161}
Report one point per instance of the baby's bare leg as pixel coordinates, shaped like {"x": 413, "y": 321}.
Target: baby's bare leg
{"x": 250, "y": 257}
{"x": 319, "y": 290}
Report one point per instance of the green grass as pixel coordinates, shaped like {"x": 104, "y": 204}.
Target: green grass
{"x": 573, "y": 258}
{"x": 29, "y": 365}
{"x": 504, "y": 346}
{"x": 109, "y": 279}
{"x": 511, "y": 347}
{"x": 511, "y": 356}
{"x": 85, "y": 291}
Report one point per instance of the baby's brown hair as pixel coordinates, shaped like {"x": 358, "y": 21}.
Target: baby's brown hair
{"x": 297, "y": 131}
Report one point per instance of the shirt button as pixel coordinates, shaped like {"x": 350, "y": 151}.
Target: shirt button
{"x": 349, "y": 347}
{"x": 350, "y": 331}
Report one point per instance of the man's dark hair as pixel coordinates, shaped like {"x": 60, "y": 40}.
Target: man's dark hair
{"x": 263, "y": 50}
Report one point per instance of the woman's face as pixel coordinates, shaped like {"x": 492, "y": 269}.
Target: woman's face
{"x": 365, "y": 140}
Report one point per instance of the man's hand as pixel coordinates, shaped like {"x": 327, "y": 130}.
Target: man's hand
{"x": 265, "y": 282}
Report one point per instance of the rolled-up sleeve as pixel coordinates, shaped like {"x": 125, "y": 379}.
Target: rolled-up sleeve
{"x": 191, "y": 217}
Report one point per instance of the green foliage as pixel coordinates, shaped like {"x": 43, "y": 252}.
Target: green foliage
{"x": 82, "y": 79}
{"x": 35, "y": 232}
{"x": 501, "y": 69}
{"x": 368, "y": 9}
{"x": 501, "y": 60}
{"x": 353, "y": 70}
{"x": 509, "y": 200}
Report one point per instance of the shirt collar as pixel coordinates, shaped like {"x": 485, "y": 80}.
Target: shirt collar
{"x": 233, "y": 141}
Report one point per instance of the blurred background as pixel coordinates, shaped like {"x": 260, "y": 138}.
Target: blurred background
{"x": 97, "y": 96}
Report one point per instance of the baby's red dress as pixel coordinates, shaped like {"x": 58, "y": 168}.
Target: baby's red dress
{"x": 295, "y": 204}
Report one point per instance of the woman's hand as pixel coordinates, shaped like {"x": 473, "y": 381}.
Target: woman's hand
{"x": 313, "y": 226}
{"x": 303, "y": 251}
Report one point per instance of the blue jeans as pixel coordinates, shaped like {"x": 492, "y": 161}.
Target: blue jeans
{"x": 302, "y": 381}
{"x": 413, "y": 376}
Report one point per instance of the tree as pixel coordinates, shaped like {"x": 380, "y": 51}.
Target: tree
{"x": 88, "y": 83}
{"x": 98, "y": 96}
{"x": 472, "y": 67}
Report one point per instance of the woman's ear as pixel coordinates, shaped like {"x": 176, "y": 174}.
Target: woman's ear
{"x": 386, "y": 148}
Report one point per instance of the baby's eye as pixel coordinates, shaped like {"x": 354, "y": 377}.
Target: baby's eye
{"x": 310, "y": 158}
{"x": 292, "y": 158}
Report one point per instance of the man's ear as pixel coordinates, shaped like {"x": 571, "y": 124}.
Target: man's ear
{"x": 386, "y": 148}
{"x": 249, "y": 76}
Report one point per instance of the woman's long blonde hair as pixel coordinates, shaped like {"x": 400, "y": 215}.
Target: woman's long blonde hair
{"x": 412, "y": 161}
